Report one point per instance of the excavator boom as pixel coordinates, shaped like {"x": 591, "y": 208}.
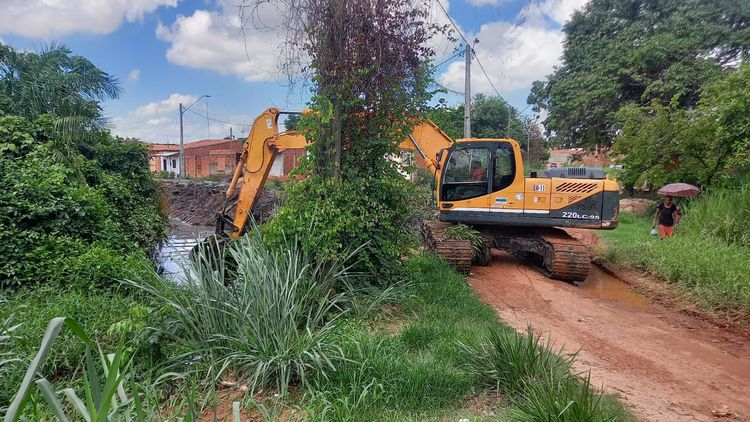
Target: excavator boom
{"x": 259, "y": 151}
{"x": 265, "y": 142}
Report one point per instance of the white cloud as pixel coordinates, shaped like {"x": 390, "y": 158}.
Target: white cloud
{"x": 159, "y": 121}
{"x": 134, "y": 74}
{"x": 515, "y": 55}
{"x": 48, "y": 19}
{"x": 214, "y": 40}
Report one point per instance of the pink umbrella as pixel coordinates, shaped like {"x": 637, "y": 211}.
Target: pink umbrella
{"x": 679, "y": 189}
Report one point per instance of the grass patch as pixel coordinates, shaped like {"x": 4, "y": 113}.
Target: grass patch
{"x": 427, "y": 371}
{"x": 95, "y": 311}
{"x": 705, "y": 266}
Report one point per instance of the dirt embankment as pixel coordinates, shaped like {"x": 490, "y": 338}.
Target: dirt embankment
{"x": 665, "y": 365}
{"x": 198, "y": 202}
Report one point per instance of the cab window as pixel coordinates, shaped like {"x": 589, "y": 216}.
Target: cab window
{"x": 465, "y": 174}
{"x": 505, "y": 167}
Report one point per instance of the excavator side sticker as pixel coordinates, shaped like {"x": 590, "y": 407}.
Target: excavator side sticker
{"x": 269, "y": 123}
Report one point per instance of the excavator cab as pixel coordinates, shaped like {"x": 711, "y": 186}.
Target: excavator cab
{"x": 482, "y": 182}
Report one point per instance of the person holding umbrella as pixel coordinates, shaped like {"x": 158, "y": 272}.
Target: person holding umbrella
{"x": 667, "y": 215}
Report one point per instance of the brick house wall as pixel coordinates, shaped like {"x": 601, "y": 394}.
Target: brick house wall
{"x": 218, "y": 158}
{"x": 212, "y": 157}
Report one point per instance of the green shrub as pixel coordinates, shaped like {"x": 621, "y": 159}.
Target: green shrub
{"x": 61, "y": 197}
{"x": 330, "y": 216}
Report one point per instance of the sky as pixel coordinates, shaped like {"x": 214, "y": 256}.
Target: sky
{"x": 166, "y": 52}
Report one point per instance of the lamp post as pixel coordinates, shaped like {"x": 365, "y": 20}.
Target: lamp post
{"x": 182, "y": 145}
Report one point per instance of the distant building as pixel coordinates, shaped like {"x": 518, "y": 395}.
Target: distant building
{"x": 164, "y": 157}
{"x": 576, "y": 157}
{"x": 216, "y": 158}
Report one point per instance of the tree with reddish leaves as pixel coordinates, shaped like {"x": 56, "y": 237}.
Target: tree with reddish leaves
{"x": 368, "y": 63}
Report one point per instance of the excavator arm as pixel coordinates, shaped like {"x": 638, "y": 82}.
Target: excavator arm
{"x": 264, "y": 143}
{"x": 260, "y": 149}
{"x": 428, "y": 140}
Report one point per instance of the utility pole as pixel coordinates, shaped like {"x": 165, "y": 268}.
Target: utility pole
{"x": 208, "y": 122}
{"x": 182, "y": 138}
{"x": 182, "y": 146}
{"x": 467, "y": 94}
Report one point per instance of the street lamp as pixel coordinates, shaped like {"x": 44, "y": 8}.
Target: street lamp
{"x": 182, "y": 146}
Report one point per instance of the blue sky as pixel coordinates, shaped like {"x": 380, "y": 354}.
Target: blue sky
{"x": 170, "y": 51}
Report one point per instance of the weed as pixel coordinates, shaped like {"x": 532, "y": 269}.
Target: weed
{"x": 464, "y": 232}
{"x": 538, "y": 379}
{"x": 94, "y": 310}
{"x": 510, "y": 360}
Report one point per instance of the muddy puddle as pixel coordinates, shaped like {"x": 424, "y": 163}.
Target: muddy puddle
{"x": 174, "y": 251}
{"x": 604, "y": 286}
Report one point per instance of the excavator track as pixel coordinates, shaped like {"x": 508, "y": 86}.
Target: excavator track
{"x": 565, "y": 258}
{"x": 456, "y": 252}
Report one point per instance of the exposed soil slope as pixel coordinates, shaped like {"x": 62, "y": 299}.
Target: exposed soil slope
{"x": 665, "y": 365}
{"x": 197, "y": 202}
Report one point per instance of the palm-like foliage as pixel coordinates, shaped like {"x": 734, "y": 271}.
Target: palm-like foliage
{"x": 53, "y": 81}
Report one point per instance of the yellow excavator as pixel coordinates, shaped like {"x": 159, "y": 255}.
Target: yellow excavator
{"x": 479, "y": 182}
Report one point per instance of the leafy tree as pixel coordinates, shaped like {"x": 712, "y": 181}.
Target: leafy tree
{"x": 491, "y": 117}
{"x": 667, "y": 143}
{"x": 634, "y": 52}
{"x": 291, "y": 122}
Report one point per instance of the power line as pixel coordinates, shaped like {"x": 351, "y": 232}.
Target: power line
{"x": 452, "y": 22}
{"x": 468, "y": 46}
{"x": 449, "y": 59}
{"x": 217, "y": 120}
{"x": 486, "y": 75}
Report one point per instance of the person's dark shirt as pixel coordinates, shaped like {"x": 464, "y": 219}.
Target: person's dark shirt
{"x": 666, "y": 215}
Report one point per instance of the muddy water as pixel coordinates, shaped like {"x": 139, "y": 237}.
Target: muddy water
{"x": 174, "y": 251}
{"x": 603, "y": 286}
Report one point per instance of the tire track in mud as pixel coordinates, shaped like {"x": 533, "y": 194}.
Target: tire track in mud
{"x": 664, "y": 365}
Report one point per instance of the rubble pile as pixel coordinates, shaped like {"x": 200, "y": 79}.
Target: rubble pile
{"x": 198, "y": 202}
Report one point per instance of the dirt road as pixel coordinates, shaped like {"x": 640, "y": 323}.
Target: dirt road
{"x": 664, "y": 365}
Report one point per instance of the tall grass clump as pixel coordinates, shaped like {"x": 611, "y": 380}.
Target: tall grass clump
{"x": 538, "y": 379}
{"x": 723, "y": 215}
{"x": 268, "y": 318}
{"x": 510, "y": 359}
